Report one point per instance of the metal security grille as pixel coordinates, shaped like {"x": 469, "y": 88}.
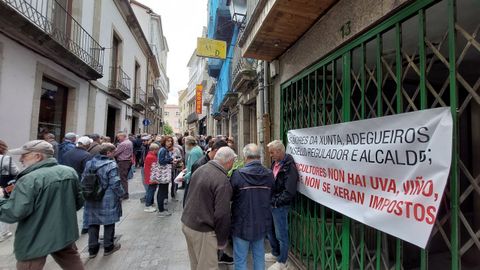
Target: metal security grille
{"x": 427, "y": 55}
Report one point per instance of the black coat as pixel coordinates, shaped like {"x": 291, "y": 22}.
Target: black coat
{"x": 77, "y": 159}
{"x": 200, "y": 162}
{"x": 252, "y": 192}
{"x": 285, "y": 186}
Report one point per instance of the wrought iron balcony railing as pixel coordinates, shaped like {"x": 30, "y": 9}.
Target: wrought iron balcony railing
{"x": 139, "y": 99}
{"x": 53, "y": 19}
{"x": 152, "y": 96}
{"x": 119, "y": 84}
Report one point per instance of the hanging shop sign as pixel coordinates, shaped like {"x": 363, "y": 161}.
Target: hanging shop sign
{"x": 211, "y": 48}
{"x": 198, "y": 99}
{"x": 388, "y": 172}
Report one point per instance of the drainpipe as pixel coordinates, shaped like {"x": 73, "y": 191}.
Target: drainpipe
{"x": 261, "y": 111}
{"x": 265, "y": 95}
{"x": 266, "y": 111}
{"x": 145, "y": 128}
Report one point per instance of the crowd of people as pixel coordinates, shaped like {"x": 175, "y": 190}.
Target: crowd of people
{"x": 226, "y": 199}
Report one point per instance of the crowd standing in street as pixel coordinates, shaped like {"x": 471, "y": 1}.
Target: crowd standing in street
{"x": 230, "y": 199}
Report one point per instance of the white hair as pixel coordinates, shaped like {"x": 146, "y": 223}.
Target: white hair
{"x": 45, "y": 156}
{"x": 251, "y": 151}
{"x": 224, "y": 155}
{"x": 276, "y": 145}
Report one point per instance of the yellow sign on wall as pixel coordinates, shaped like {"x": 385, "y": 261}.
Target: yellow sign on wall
{"x": 211, "y": 48}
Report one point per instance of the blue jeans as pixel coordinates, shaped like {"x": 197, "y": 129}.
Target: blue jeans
{"x": 279, "y": 237}
{"x": 240, "y": 252}
{"x": 150, "y": 195}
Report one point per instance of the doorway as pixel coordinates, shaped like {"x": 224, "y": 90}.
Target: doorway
{"x": 135, "y": 128}
{"x": 111, "y": 121}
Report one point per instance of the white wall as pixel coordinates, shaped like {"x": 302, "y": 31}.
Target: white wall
{"x": 20, "y": 69}
{"x": 112, "y": 21}
{"x": 130, "y": 52}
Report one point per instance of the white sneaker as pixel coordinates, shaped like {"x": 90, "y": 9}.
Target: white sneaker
{"x": 269, "y": 257}
{"x": 278, "y": 266}
{"x": 150, "y": 209}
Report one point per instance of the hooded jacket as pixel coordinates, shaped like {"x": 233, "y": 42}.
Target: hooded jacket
{"x": 108, "y": 210}
{"x": 252, "y": 191}
{"x": 285, "y": 186}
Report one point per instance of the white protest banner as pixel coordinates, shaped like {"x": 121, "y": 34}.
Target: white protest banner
{"x": 388, "y": 172}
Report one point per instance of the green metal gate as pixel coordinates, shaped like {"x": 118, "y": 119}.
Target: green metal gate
{"x": 427, "y": 55}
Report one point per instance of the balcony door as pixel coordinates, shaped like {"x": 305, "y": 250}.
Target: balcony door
{"x": 53, "y": 109}
{"x": 62, "y": 20}
{"x": 136, "y": 82}
{"x": 115, "y": 60}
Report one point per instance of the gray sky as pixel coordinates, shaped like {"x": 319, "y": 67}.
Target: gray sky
{"x": 182, "y": 23}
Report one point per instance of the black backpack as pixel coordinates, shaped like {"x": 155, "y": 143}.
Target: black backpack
{"x": 92, "y": 189}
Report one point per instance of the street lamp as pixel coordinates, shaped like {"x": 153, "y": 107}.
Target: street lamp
{"x": 238, "y": 9}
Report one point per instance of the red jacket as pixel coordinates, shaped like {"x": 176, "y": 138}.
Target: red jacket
{"x": 147, "y": 166}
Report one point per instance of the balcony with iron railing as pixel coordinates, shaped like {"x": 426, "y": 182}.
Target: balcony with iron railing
{"x": 152, "y": 98}
{"x": 45, "y": 26}
{"x": 243, "y": 71}
{"x": 139, "y": 99}
{"x": 119, "y": 84}
{"x": 161, "y": 85}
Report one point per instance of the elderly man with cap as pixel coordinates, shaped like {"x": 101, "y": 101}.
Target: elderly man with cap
{"x": 67, "y": 145}
{"x": 44, "y": 203}
{"x": 78, "y": 156}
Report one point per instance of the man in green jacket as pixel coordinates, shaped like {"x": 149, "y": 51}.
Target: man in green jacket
{"x": 44, "y": 203}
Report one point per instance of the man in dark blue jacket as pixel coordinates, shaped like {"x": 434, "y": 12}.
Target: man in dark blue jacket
{"x": 284, "y": 190}
{"x": 67, "y": 145}
{"x": 77, "y": 157}
{"x": 251, "y": 214}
